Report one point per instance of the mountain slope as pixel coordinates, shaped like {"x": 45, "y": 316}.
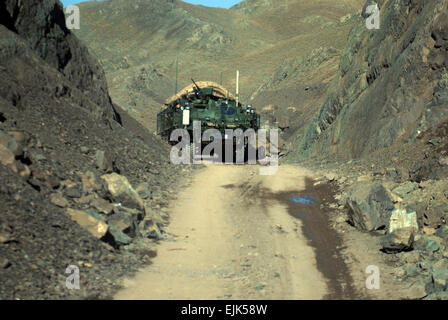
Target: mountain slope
{"x": 391, "y": 84}
{"x": 138, "y": 37}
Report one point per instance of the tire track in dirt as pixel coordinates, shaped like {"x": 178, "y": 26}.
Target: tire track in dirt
{"x": 235, "y": 234}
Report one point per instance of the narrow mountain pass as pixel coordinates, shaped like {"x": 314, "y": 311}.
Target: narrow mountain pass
{"x": 235, "y": 234}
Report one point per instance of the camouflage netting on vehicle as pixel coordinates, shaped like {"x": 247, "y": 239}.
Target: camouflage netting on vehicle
{"x": 218, "y": 92}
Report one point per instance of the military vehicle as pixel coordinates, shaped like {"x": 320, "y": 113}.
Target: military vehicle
{"x": 211, "y": 104}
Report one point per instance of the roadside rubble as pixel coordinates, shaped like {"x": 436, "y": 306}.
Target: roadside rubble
{"x": 408, "y": 216}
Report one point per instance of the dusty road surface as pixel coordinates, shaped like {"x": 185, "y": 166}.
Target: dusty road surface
{"x": 235, "y": 234}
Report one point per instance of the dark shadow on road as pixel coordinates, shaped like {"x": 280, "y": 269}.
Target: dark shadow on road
{"x": 311, "y": 206}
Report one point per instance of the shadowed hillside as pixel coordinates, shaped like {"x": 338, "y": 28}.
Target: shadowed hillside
{"x": 62, "y": 145}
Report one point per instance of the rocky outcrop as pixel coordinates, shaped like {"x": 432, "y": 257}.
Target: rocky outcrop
{"x": 38, "y": 30}
{"x": 391, "y": 84}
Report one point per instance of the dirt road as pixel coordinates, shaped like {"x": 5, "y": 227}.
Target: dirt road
{"x": 235, "y": 234}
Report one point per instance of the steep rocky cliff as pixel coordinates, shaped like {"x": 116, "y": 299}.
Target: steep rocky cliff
{"x": 38, "y": 31}
{"x": 391, "y": 87}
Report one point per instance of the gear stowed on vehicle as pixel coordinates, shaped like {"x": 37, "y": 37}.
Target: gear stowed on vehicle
{"x": 210, "y": 104}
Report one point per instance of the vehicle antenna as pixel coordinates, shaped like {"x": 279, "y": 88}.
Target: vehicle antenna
{"x": 237, "y": 86}
{"x": 177, "y": 74}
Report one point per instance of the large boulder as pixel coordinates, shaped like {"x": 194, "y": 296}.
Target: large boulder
{"x": 121, "y": 191}
{"x": 402, "y": 228}
{"x": 370, "y": 205}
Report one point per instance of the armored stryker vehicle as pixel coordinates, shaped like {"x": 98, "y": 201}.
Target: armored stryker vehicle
{"x": 211, "y": 104}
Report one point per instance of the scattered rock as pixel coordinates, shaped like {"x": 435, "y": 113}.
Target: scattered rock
{"x": 435, "y": 216}
{"x": 411, "y": 270}
{"x": 10, "y": 143}
{"x": 5, "y": 237}
{"x": 143, "y": 190}
{"x": 89, "y": 182}
{"x": 439, "y": 278}
{"x": 402, "y": 228}
{"x": 364, "y": 178}
{"x": 435, "y": 141}
{"x": 58, "y": 200}
{"x": 104, "y": 161}
{"x": 126, "y": 221}
{"x": 428, "y": 230}
{"x": 121, "y": 191}
{"x": 73, "y": 192}
{"x": 85, "y": 199}
{"x": 38, "y": 157}
{"x": 437, "y": 296}
{"x": 399, "y": 240}
{"x": 90, "y": 221}
{"x": 442, "y": 232}
{"x": 443, "y": 161}
{"x": 342, "y": 179}
{"x": 116, "y": 237}
{"x": 331, "y": 176}
{"x": 53, "y": 182}
{"x": 25, "y": 172}
{"x": 405, "y": 189}
{"x": 148, "y": 228}
{"x": 4, "y": 263}
{"x": 428, "y": 244}
{"x": 416, "y": 291}
{"x": 19, "y": 136}
{"x": 102, "y": 206}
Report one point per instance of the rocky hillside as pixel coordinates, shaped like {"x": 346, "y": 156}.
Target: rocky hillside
{"x": 383, "y": 129}
{"x": 391, "y": 86}
{"x": 82, "y": 183}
